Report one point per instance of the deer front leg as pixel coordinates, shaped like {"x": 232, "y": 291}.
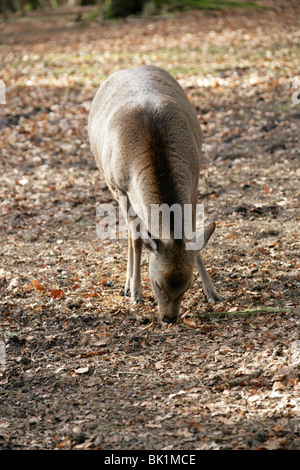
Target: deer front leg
{"x": 133, "y": 284}
{"x": 208, "y": 287}
{"x": 136, "y": 285}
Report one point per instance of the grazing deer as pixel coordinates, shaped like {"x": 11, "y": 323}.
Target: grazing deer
{"x": 146, "y": 139}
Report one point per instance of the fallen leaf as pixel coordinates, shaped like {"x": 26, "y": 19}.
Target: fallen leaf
{"x": 57, "y": 294}
{"x": 37, "y": 286}
{"x": 196, "y": 427}
{"x": 190, "y": 323}
{"x": 82, "y": 370}
{"x": 278, "y": 386}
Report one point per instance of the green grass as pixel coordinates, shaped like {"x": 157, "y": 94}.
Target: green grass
{"x": 219, "y": 4}
{"x": 280, "y": 107}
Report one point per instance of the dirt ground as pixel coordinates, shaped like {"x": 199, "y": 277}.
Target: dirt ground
{"x": 80, "y": 368}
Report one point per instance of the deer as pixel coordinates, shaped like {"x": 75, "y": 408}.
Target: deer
{"x": 146, "y": 139}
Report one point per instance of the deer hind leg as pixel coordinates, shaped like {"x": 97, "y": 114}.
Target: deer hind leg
{"x": 129, "y": 266}
{"x": 208, "y": 287}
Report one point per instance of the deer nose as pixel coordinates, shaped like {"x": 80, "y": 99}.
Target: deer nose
{"x": 169, "y": 319}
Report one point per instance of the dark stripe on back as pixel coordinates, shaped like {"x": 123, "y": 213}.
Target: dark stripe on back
{"x": 160, "y": 154}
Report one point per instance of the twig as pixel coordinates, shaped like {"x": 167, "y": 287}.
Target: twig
{"x": 249, "y": 311}
{"x": 145, "y": 328}
{"x": 129, "y": 372}
{"x": 244, "y": 378}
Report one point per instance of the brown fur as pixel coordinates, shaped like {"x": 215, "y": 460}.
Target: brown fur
{"x": 146, "y": 139}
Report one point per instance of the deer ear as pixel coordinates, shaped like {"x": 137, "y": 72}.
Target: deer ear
{"x": 201, "y": 241}
{"x": 149, "y": 242}
{"x": 208, "y": 231}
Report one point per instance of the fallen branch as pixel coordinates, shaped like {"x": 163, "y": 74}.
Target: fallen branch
{"x": 129, "y": 372}
{"x": 241, "y": 379}
{"x": 251, "y": 311}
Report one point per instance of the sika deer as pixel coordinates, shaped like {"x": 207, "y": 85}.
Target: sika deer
{"x": 146, "y": 139}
